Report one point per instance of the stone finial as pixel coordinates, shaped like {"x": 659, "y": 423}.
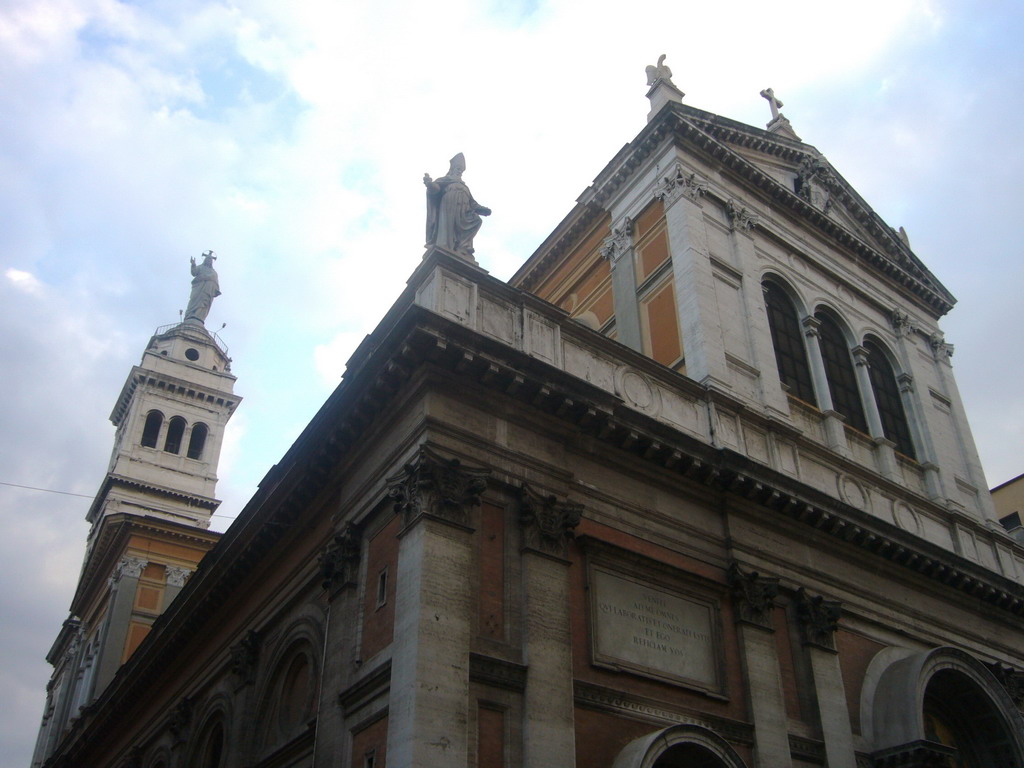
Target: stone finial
{"x": 547, "y": 522}
{"x": 818, "y": 619}
{"x": 339, "y": 563}
{"x": 753, "y": 595}
{"x": 437, "y": 487}
{"x": 778, "y": 124}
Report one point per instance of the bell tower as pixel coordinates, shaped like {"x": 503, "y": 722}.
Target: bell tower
{"x": 151, "y": 515}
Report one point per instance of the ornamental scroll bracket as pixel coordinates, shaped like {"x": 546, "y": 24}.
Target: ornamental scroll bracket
{"x": 433, "y": 486}
{"x": 753, "y": 595}
{"x": 547, "y": 522}
{"x": 339, "y": 562}
{"x": 818, "y": 619}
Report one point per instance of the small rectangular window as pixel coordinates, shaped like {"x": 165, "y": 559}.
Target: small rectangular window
{"x": 382, "y": 587}
{"x": 370, "y": 760}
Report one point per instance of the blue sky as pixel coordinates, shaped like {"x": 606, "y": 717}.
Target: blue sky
{"x": 291, "y": 138}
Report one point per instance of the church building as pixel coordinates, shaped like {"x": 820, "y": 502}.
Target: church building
{"x": 694, "y": 488}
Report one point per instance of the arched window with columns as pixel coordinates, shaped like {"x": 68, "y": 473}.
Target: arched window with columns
{"x": 788, "y": 341}
{"x": 886, "y": 392}
{"x": 839, "y": 371}
{"x": 151, "y": 430}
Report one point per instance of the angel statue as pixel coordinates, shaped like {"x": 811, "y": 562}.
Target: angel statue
{"x": 453, "y": 216}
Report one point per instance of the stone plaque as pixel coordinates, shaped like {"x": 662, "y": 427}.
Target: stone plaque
{"x": 654, "y": 631}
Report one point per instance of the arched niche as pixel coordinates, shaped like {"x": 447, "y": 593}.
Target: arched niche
{"x": 947, "y": 702}
{"x": 679, "y": 746}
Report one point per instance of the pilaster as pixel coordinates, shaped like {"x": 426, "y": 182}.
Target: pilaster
{"x": 753, "y": 601}
{"x": 697, "y": 303}
{"x": 618, "y": 249}
{"x": 123, "y": 585}
{"x": 429, "y": 697}
{"x": 818, "y": 619}
{"x": 549, "y": 726}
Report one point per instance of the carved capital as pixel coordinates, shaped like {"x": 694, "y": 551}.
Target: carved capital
{"x": 131, "y": 567}
{"x": 438, "y": 487}
{"x": 339, "y": 562}
{"x": 861, "y": 356}
{"x": 547, "y": 522}
{"x": 180, "y": 717}
{"x": 818, "y": 619}
{"x": 812, "y": 326}
{"x": 177, "y": 576}
{"x": 942, "y": 351}
{"x": 741, "y": 218}
{"x": 1011, "y": 680}
{"x": 753, "y": 595}
{"x": 619, "y": 242}
{"x": 244, "y": 656}
{"x": 678, "y": 183}
{"x": 901, "y": 322}
{"x": 905, "y": 382}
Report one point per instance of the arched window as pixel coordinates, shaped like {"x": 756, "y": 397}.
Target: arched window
{"x": 790, "y": 352}
{"x": 291, "y": 698}
{"x": 175, "y": 431}
{"x": 197, "y": 441}
{"x": 150, "y": 432}
{"x": 888, "y": 400}
{"x": 211, "y": 746}
{"x": 842, "y": 380}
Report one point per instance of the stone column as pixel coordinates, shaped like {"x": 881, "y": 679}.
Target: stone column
{"x": 696, "y": 300}
{"x": 753, "y": 600}
{"x": 123, "y": 585}
{"x": 885, "y": 449}
{"x": 619, "y": 251}
{"x": 835, "y": 433}
{"x": 429, "y": 699}
{"x": 818, "y": 619}
{"x": 549, "y": 736}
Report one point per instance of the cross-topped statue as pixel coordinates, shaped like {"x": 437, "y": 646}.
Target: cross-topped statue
{"x": 773, "y": 102}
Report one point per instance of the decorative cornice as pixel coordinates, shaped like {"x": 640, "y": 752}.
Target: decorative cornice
{"x": 547, "y": 522}
{"x": 818, "y": 619}
{"x": 497, "y": 672}
{"x": 753, "y": 596}
{"x": 431, "y": 485}
{"x": 339, "y": 562}
{"x": 915, "y": 754}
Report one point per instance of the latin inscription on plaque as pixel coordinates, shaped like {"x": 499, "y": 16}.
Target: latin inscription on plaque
{"x": 653, "y": 631}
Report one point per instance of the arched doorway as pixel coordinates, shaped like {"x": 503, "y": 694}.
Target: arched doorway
{"x": 680, "y": 746}
{"x": 946, "y": 702}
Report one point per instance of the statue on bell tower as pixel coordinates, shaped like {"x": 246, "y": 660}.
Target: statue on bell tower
{"x": 205, "y": 288}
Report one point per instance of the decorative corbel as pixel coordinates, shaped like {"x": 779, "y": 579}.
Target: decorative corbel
{"x": 547, "y": 522}
{"x": 436, "y": 487}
